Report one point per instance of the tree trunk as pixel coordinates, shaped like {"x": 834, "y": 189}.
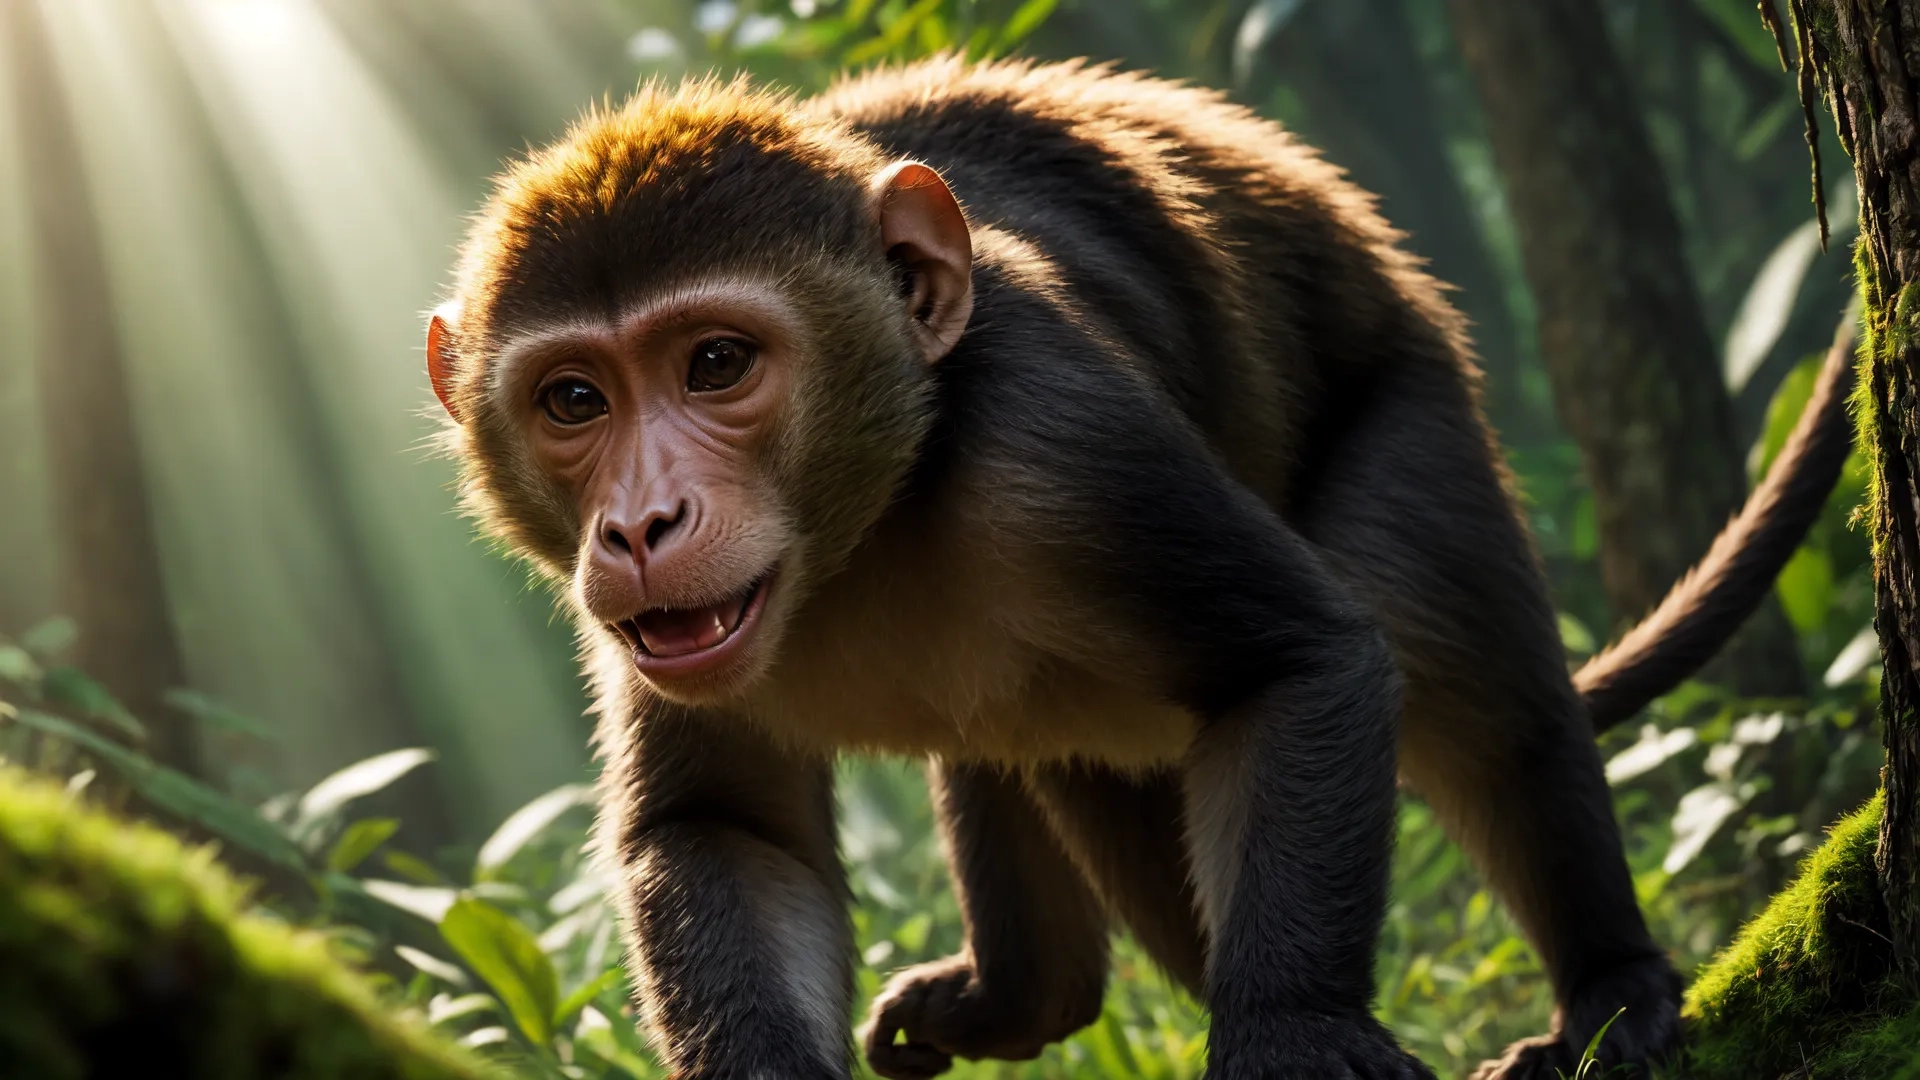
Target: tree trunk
{"x": 1867, "y": 55}
{"x": 1635, "y": 377}
{"x": 108, "y": 567}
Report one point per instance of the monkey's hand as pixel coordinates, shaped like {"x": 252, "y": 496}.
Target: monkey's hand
{"x": 1310, "y": 1046}
{"x": 944, "y": 1011}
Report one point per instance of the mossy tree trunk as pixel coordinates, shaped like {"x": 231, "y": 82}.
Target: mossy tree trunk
{"x": 109, "y": 567}
{"x": 1866, "y": 53}
{"x": 1635, "y": 375}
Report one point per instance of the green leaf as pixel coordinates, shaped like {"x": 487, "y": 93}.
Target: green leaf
{"x": 359, "y": 841}
{"x": 1025, "y": 20}
{"x": 911, "y": 935}
{"x": 225, "y": 817}
{"x": 51, "y": 637}
{"x": 1700, "y": 814}
{"x": 213, "y": 714}
{"x": 1574, "y": 635}
{"x": 413, "y": 868}
{"x": 432, "y": 965}
{"x": 486, "y": 1036}
{"x": 71, "y": 687}
{"x": 978, "y": 43}
{"x": 360, "y": 779}
{"x": 444, "y": 1007}
{"x": 1805, "y": 586}
{"x": 1263, "y": 22}
{"x": 1583, "y": 541}
{"x": 934, "y": 34}
{"x": 893, "y": 36}
{"x": 1765, "y": 309}
{"x": 1855, "y": 657}
{"x": 1654, "y": 749}
{"x": 1120, "y": 1050}
{"x": 176, "y": 792}
{"x": 426, "y": 901}
{"x": 1590, "y": 1059}
{"x": 1783, "y": 412}
{"x": 599, "y": 1041}
{"x": 502, "y": 951}
{"x": 17, "y": 666}
{"x": 567, "y": 1010}
{"x": 526, "y": 823}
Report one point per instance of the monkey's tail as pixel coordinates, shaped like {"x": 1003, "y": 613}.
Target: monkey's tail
{"x": 1704, "y": 608}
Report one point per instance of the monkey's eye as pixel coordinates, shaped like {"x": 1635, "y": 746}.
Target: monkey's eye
{"x": 571, "y": 401}
{"x": 719, "y": 363}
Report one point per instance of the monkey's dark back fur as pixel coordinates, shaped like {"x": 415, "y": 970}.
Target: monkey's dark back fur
{"x": 1218, "y": 247}
{"x": 1207, "y": 241}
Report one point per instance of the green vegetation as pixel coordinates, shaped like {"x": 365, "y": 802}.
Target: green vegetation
{"x": 512, "y": 949}
{"x": 1805, "y": 989}
{"x": 372, "y": 621}
{"x": 129, "y": 954}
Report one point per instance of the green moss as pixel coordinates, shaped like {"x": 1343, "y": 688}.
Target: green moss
{"x": 125, "y": 953}
{"x": 1806, "y": 990}
{"x": 1866, "y": 410}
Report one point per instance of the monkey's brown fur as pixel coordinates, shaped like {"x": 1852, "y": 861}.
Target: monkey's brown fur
{"x": 1143, "y": 564}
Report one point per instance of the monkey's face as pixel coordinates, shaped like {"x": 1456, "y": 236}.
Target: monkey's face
{"x": 657, "y": 429}
{"x": 697, "y": 453}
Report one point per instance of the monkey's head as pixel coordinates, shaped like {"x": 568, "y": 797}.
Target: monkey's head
{"x": 689, "y": 363}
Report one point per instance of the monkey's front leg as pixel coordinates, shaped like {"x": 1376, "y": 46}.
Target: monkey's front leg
{"x": 1290, "y": 802}
{"x": 1289, "y": 783}
{"x": 1289, "y": 792}
{"x": 734, "y": 899}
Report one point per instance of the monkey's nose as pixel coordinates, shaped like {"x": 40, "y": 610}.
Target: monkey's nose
{"x": 651, "y": 528}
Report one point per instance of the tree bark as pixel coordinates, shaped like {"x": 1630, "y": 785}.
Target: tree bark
{"x": 1635, "y": 376}
{"x": 108, "y": 567}
{"x": 1866, "y": 54}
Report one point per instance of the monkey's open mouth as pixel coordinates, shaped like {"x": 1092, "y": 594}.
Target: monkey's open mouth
{"x": 684, "y": 640}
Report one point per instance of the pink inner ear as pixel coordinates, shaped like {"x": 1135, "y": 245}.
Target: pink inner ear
{"x": 921, "y": 219}
{"x": 440, "y": 363}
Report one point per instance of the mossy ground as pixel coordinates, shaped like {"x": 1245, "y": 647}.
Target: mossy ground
{"x": 1806, "y": 991}
{"x": 125, "y": 953}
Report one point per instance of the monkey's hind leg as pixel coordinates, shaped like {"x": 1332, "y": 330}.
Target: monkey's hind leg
{"x": 1034, "y": 966}
{"x": 1412, "y": 511}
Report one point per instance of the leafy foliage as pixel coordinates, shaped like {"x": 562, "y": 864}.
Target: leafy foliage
{"x": 807, "y": 42}
{"x": 516, "y": 952}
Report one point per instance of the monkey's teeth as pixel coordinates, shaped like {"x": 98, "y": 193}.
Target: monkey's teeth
{"x": 729, "y": 614}
{"x": 668, "y": 632}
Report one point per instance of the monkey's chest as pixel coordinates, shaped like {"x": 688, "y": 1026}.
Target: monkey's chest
{"x": 960, "y": 683}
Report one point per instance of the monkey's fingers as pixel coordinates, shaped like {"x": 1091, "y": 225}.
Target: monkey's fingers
{"x": 910, "y": 1057}
{"x": 905, "y": 1060}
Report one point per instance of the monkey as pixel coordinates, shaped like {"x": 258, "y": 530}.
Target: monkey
{"x": 1095, "y": 441}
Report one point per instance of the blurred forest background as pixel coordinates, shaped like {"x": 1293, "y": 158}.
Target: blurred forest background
{"x": 234, "y": 593}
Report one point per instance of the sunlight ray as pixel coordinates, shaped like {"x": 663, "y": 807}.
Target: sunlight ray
{"x": 245, "y": 542}
{"x": 356, "y": 217}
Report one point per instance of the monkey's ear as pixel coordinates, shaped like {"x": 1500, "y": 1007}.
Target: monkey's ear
{"x": 440, "y": 356}
{"x": 926, "y": 236}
